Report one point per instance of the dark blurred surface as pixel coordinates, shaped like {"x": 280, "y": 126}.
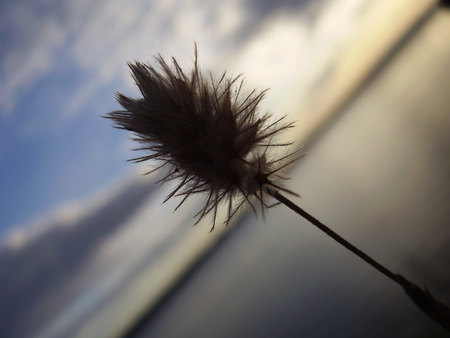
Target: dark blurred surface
{"x": 379, "y": 176}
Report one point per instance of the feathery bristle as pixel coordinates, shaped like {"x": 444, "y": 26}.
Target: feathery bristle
{"x": 210, "y": 135}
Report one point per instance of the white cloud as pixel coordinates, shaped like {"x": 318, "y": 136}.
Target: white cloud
{"x": 98, "y": 38}
{"x": 65, "y": 215}
{"x": 275, "y": 58}
{"x": 114, "y": 34}
{"x": 290, "y": 57}
{"x": 69, "y": 213}
{"x": 78, "y": 34}
{"x": 29, "y": 58}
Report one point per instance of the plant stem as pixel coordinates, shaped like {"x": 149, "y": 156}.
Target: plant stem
{"x": 422, "y": 298}
{"x": 276, "y": 194}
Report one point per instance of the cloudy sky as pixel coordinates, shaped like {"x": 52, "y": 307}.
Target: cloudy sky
{"x": 62, "y": 62}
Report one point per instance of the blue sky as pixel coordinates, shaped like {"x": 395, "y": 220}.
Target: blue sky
{"x": 61, "y": 64}
{"x": 54, "y": 147}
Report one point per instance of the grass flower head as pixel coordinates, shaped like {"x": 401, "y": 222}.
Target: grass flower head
{"x": 208, "y": 133}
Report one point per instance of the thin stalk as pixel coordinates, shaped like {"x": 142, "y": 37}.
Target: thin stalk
{"x": 422, "y": 298}
{"x": 385, "y": 271}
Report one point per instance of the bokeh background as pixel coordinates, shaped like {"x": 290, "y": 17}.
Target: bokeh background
{"x": 87, "y": 249}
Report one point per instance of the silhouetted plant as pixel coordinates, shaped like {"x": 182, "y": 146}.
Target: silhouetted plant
{"x": 209, "y": 133}
{"x": 214, "y": 139}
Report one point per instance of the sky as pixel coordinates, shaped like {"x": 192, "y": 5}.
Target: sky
{"x": 61, "y": 64}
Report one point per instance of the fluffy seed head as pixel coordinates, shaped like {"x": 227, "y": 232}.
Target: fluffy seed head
{"x": 209, "y": 134}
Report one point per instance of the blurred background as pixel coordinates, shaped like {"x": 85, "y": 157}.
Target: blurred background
{"x": 87, "y": 249}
